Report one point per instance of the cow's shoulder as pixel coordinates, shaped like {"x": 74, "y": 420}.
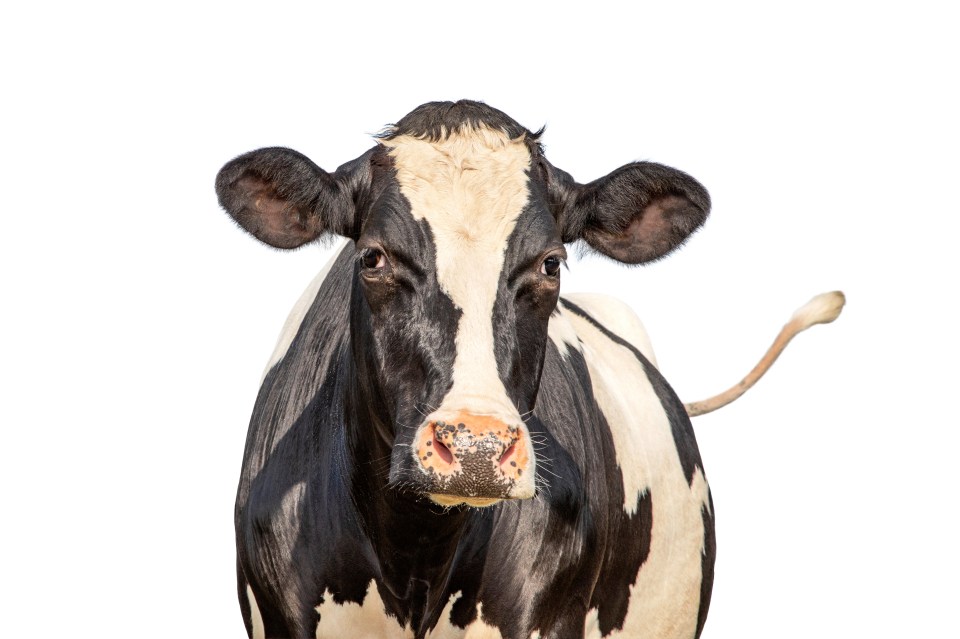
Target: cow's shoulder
{"x": 306, "y": 360}
{"x": 299, "y": 407}
{"x": 611, "y": 313}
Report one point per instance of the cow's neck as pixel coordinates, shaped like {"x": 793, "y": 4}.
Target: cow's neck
{"x": 414, "y": 541}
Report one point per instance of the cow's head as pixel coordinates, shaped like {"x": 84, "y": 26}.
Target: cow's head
{"x": 459, "y": 223}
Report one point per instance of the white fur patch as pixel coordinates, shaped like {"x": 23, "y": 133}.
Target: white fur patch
{"x": 665, "y": 600}
{"x": 445, "y": 628}
{"x": 618, "y": 318}
{"x": 470, "y": 188}
{"x": 591, "y": 625}
{"x": 368, "y": 620}
{"x": 256, "y": 620}
{"x": 479, "y": 628}
{"x": 299, "y": 311}
{"x": 560, "y": 330}
{"x": 641, "y": 432}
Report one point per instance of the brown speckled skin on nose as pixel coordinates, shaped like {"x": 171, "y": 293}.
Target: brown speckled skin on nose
{"x": 466, "y": 456}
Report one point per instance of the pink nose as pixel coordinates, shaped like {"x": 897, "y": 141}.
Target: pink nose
{"x": 473, "y": 455}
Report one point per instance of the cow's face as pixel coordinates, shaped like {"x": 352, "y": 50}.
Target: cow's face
{"x": 459, "y": 225}
{"x": 459, "y": 261}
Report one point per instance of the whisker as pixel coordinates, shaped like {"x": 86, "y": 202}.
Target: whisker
{"x": 543, "y": 488}
{"x": 378, "y": 459}
{"x": 544, "y": 469}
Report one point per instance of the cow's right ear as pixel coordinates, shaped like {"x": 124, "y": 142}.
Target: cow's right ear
{"x": 283, "y": 199}
{"x": 638, "y": 213}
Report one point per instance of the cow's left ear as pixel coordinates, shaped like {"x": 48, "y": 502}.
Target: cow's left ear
{"x": 285, "y": 200}
{"x": 638, "y": 213}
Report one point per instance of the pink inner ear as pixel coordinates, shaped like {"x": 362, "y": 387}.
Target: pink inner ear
{"x": 270, "y": 218}
{"x": 653, "y": 232}
{"x": 280, "y": 218}
{"x": 665, "y": 223}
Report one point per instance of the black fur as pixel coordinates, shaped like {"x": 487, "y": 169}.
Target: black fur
{"x": 438, "y": 120}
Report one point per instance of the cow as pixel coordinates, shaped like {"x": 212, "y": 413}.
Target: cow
{"x": 442, "y": 445}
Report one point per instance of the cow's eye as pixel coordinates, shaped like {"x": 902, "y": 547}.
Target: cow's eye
{"x": 373, "y": 258}
{"x": 551, "y": 266}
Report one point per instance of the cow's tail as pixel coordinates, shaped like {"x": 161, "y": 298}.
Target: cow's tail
{"x": 822, "y": 309}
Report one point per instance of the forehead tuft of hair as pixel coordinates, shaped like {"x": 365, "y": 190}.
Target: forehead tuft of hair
{"x": 436, "y": 121}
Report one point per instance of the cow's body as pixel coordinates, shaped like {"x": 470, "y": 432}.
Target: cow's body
{"x": 349, "y": 526}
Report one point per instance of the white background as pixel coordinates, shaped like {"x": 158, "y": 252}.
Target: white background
{"x": 137, "y": 318}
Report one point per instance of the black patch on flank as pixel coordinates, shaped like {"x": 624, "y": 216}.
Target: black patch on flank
{"x": 435, "y": 121}
{"x": 680, "y": 425}
{"x": 627, "y": 552}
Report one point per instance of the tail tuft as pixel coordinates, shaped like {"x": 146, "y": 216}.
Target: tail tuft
{"x": 822, "y": 309}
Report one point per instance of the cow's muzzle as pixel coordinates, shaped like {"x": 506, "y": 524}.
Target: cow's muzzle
{"x": 475, "y": 459}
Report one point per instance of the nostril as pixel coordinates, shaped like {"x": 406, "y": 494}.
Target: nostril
{"x": 442, "y": 451}
{"x": 506, "y": 454}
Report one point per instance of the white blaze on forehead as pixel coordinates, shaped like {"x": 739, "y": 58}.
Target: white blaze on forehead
{"x": 470, "y": 188}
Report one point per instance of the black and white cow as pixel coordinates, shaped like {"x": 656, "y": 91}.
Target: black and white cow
{"x": 442, "y": 445}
